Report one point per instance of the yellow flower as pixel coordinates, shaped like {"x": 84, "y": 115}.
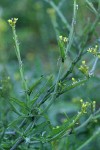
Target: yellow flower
{"x": 12, "y": 21}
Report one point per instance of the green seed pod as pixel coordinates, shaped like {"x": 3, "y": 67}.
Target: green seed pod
{"x": 62, "y": 50}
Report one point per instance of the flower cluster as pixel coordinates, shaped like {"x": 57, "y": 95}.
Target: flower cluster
{"x": 94, "y": 51}
{"x": 61, "y": 43}
{"x": 84, "y": 106}
{"x": 84, "y": 68}
{"x": 63, "y": 39}
{"x": 12, "y": 21}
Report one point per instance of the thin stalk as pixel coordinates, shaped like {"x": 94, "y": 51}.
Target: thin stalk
{"x": 59, "y": 13}
{"x": 92, "y": 7}
{"x": 71, "y": 35}
{"x": 22, "y": 139}
{"x": 61, "y": 133}
{"x": 99, "y": 6}
{"x": 69, "y": 71}
{"x": 97, "y": 117}
{"x": 93, "y": 27}
{"x": 98, "y": 111}
{"x": 69, "y": 87}
{"x": 61, "y": 3}
{"x": 84, "y": 123}
{"x": 55, "y": 89}
{"x": 94, "y": 66}
{"x": 95, "y": 135}
{"x": 74, "y": 62}
{"x": 91, "y": 118}
{"x": 19, "y": 141}
{"x": 53, "y": 19}
{"x": 55, "y": 25}
{"x": 19, "y": 60}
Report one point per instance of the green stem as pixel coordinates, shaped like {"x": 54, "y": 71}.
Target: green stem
{"x": 22, "y": 139}
{"x": 55, "y": 90}
{"x": 84, "y": 123}
{"x": 19, "y": 141}
{"x": 51, "y": 89}
{"x": 95, "y": 135}
{"x": 19, "y": 60}
{"x": 61, "y": 3}
{"x": 71, "y": 35}
{"x": 92, "y": 7}
{"x": 69, "y": 87}
{"x": 61, "y": 133}
{"x": 97, "y": 117}
{"x": 92, "y": 117}
{"x": 59, "y": 13}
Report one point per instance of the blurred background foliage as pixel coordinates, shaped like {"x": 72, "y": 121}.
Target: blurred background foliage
{"x": 40, "y": 53}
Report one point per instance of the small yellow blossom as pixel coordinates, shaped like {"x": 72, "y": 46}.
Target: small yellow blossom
{"x": 60, "y": 37}
{"x": 84, "y": 106}
{"x": 83, "y": 62}
{"x": 81, "y": 100}
{"x": 84, "y": 68}
{"x": 94, "y": 51}
{"x": 74, "y": 80}
{"x": 64, "y": 39}
{"x": 12, "y": 21}
{"x": 94, "y": 105}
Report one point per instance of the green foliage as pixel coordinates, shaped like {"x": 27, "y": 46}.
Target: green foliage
{"x": 56, "y": 105}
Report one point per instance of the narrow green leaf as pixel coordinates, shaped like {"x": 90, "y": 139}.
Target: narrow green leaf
{"x": 69, "y": 87}
{"x": 34, "y": 85}
{"x": 14, "y": 109}
{"x": 19, "y": 102}
{"x": 31, "y": 102}
{"x": 13, "y": 123}
{"x": 61, "y": 130}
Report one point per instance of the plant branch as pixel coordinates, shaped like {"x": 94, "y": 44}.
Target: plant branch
{"x": 19, "y": 60}
{"x": 95, "y": 135}
{"x": 59, "y": 13}
{"x": 51, "y": 89}
{"x": 71, "y": 34}
{"x": 19, "y": 141}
